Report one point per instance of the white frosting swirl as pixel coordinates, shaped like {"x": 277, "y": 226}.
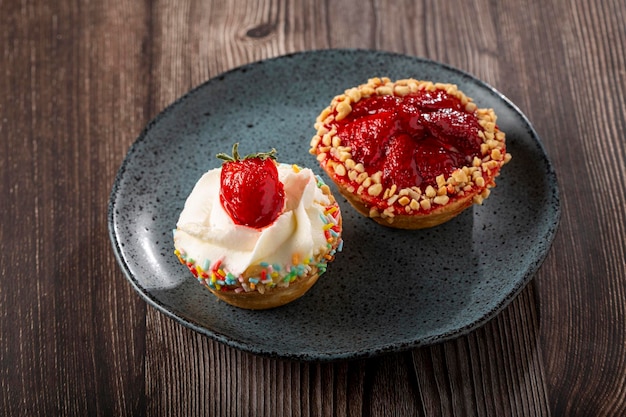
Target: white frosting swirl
{"x": 206, "y": 233}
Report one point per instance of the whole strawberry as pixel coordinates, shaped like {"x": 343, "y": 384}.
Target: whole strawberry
{"x": 250, "y": 190}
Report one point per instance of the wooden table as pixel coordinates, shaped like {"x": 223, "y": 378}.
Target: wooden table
{"x": 79, "y": 81}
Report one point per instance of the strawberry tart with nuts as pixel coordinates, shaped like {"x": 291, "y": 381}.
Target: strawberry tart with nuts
{"x": 409, "y": 154}
{"x": 257, "y": 233}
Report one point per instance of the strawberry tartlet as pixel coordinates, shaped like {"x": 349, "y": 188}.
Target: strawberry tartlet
{"x": 409, "y": 154}
{"x": 257, "y": 233}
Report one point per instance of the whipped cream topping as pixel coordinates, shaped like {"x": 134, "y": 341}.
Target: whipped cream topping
{"x": 206, "y": 236}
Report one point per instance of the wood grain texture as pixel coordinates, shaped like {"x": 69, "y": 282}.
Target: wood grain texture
{"x": 591, "y": 297}
{"x": 78, "y": 82}
{"x": 494, "y": 371}
{"x": 71, "y": 95}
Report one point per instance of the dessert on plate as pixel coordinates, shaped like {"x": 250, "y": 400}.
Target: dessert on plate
{"x": 257, "y": 233}
{"x": 409, "y": 154}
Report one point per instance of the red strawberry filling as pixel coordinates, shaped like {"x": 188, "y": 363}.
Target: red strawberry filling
{"x": 411, "y": 139}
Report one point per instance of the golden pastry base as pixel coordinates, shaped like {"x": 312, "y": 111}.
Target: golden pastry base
{"x": 417, "y": 220}
{"x": 273, "y": 297}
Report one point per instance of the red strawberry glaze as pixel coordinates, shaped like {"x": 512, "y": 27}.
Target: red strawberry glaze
{"x": 411, "y": 139}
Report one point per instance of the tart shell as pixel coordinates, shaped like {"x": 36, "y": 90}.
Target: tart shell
{"x": 273, "y": 297}
{"x": 433, "y": 218}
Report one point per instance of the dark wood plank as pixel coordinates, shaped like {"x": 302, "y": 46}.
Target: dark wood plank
{"x": 496, "y": 370}
{"x": 583, "y": 323}
{"x": 571, "y": 84}
{"x": 71, "y": 330}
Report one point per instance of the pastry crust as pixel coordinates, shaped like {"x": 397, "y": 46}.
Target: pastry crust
{"x": 273, "y": 297}
{"x": 410, "y": 207}
{"x": 433, "y": 218}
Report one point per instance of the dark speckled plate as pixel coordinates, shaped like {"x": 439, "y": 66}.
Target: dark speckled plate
{"x": 389, "y": 290}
